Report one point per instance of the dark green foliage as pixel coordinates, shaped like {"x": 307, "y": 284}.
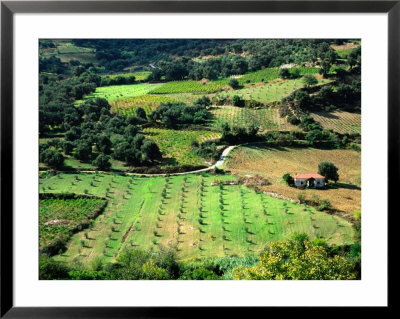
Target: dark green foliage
{"x": 329, "y": 170}
{"x": 173, "y": 115}
{"x": 207, "y": 149}
{"x": 68, "y": 146}
{"x": 203, "y": 101}
{"x": 284, "y": 73}
{"x": 104, "y": 144}
{"x": 237, "y": 101}
{"x": 309, "y": 80}
{"x": 102, "y": 162}
{"x": 288, "y": 179}
{"x": 234, "y": 83}
{"x": 50, "y": 269}
{"x": 83, "y": 151}
{"x": 236, "y": 135}
{"x": 52, "y": 158}
{"x": 150, "y": 151}
{"x": 140, "y": 113}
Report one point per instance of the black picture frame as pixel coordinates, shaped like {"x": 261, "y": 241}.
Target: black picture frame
{"x": 9, "y": 8}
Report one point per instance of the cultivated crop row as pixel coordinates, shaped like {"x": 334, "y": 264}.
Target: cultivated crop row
{"x": 128, "y": 106}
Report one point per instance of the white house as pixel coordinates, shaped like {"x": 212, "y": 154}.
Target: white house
{"x": 309, "y": 180}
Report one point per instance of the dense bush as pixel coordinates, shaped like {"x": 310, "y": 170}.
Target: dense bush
{"x": 173, "y": 115}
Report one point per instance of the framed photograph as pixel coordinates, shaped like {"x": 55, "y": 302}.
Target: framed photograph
{"x": 165, "y": 157}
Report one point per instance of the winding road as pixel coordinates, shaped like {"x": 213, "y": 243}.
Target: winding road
{"x": 217, "y": 164}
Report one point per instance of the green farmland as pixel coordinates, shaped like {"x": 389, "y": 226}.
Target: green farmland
{"x": 270, "y": 92}
{"x": 202, "y": 220}
{"x": 116, "y": 92}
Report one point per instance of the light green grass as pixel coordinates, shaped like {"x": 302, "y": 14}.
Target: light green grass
{"x": 176, "y": 144}
{"x": 115, "y": 92}
{"x": 270, "y": 92}
{"x": 139, "y": 76}
{"x": 189, "y": 87}
{"x": 136, "y": 209}
{"x": 61, "y": 216}
{"x": 270, "y": 74}
{"x": 266, "y": 119}
{"x": 128, "y": 106}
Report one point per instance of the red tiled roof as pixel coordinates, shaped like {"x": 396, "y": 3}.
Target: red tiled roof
{"x": 309, "y": 175}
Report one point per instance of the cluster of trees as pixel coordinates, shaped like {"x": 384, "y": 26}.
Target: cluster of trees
{"x": 302, "y": 259}
{"x": 298, "y": 258}
{"x": 56, "y": 99}
{"x": 90, "y": 127}
{"x": 175, "y": 115}
{"x": 118, "y": 80}
{"x": 207, "y": 149}
{"x": 316, "y": 137}
{"x": 51, "y": 64}
{"x": 238, "y": 135}
{"x": 245, "y": 55}
{"x": 115, "y": 54}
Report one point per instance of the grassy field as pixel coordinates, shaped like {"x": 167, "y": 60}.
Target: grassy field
{"x": 176, "y": 144}
{"x": 189, "y": 87}
{"x": 139, "y": 76}
{"x": 270, "y": 92}
{"x": 274, "y": 162}
{"x": 67, "y": 51}
{"x": 117, "y": 92}
{"x": 187, "y": 212}
{"x": 339, "y": 121}
{"x": 58, "y": 217}
{"x": 270, "y": 74}
{"x": 267, "y": 119}
{"x": 129, "y": 105}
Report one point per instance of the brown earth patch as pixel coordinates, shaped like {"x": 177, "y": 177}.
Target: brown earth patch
{"x": 345, "y": 46}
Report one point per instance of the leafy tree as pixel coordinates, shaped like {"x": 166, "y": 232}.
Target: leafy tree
{"x": 234, "y": 83}
{"x": 309, "y": 80}
{"x": 150, "y": 150}
{"x": 50, "y": 269}
{"x": 284, "y": 73}
{"x": 303, "y": 99}
{"x": 102, "y": 162}
{"x": 199, "y": 274}
{"x": 83, "y": 151}
{"x": 204, "y": 101}
{"x": 297, "y": 259}
{"x": 152, "y": 272}
{"x": 52, "y": 158}
{"x": 288, "y": 179}
{"x": 329, "y": 170}
{"x": 141, "y": 113}
{"x": 237, "y": 100}
{"x": 131, "y": 130}
{"x": 68, "y": 146}
{"x": 104, "y": 144}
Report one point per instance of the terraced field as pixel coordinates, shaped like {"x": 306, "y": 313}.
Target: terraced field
{"x": 270, "y": 92}
{"x": 128, "y": 106}
{"x": 273, "y": 163}
{"x": 117, "y": 92}
{"x": 339, "y": 121}
{"x": 59, "y": 217}
{"x": 189, "y": 87}
{"x": 139, "y": 76}
{"x": 187, "y": 211}
{"x": 266, "y": 119}
{"x": 270, "y": 74}
{"x": 176, "y": 144}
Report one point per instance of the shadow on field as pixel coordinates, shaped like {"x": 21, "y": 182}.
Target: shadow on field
{"x": 343, "y": 185}
{"x": 327, "y": 115}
